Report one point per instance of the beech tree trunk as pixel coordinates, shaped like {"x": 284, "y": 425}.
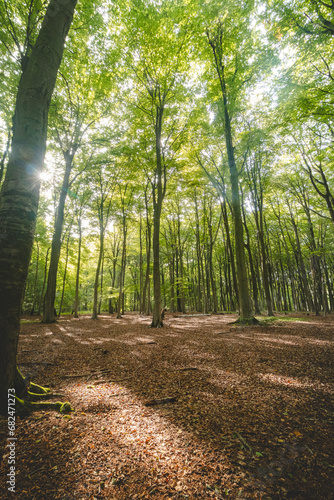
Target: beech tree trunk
{"x": 97, "y": 274}
{"x": 49, "y": 306}
{"x": 245, "y": 302}
{"x": 44, "y": 282}
{"x": 158, "y": 196}
{"x": 77, "y": 280}
{"x": 120, "y": 304}
{"x": 20, "y": 191}
{"x": 251, "y": 266}
{"x": 34, "y": 299}
{"x": 65, "y": 272}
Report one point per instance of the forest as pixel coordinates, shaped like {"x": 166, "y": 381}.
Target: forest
{"x": 188, "y": 160}
{"x": 162, "y": 160}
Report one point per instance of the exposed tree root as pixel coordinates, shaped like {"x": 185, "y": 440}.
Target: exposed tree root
{"x": 27, "y": 393}
{"x": 24, "y": 407}
{"x": 38, "y": 389}
{"x": 246, "y": 321}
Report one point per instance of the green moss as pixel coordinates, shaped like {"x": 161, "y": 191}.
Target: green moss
{"x": 66, "y": 408}
{"x": 275, "y": 319}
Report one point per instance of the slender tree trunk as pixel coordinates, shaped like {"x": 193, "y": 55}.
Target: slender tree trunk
{"x": 146, "y": 289}
{"x": 4, "y": 156}
{"x": 120, "y": 308}
{"x": 230, "y": 255}
{"x": 256, "y": 188}
{"x": 251, "y": 265}
{"x": 49, "y": 307}
{"x": 97, "y": 273}
{"x": 65, "y": 272}
{"x": 156, "y": 321}
{"x": 181, "y": 270}
{"x": 199, "y": 258}
{"x": 34, "y": 300}
{"x": 245, "y": 302}
{"x": 328, "y": 284}
{"x": 158, "y": 195}
{"x": 301, "y": 266}
{"x": 211, "y": 242}
{"x": 41, "y": 299}
{"x": 265, "y": 272}
{"x": 101, "y": 285}
{"x": 141, "y": 309}
{"x": 77, "y": 280}
{"x": 20, "y": 190}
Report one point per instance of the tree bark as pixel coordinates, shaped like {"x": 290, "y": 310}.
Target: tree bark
{"x": 34, "y": 300}
{"x": 65, "y": 271}
{"x": 77, "y": 280}
{"x": 49, "y": 306}
{"x": 120, "y": 305}
{"x": 146, "y": 288}
{"x": 245, "y": 302}
{"x": 251, "y": 266}
{"x": 158, "y": 195}
{"x": 20, "y": 191}
{"x": 41, "y": 299}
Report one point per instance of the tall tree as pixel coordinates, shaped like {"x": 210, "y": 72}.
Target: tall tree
{"x": 20, "y": 190}
{"x": 158, "y": 66}
{"x": 217, "y": 38}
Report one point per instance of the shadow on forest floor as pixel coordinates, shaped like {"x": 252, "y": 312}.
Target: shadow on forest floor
{"x": 198, "y": 409}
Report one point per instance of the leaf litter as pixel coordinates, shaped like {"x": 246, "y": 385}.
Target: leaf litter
{"x": 180, "y": 412}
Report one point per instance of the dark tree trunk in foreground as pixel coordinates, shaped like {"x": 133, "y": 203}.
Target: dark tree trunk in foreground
{"x": 20, "y": 191}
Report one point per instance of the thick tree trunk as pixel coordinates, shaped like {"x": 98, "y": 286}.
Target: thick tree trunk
{"x": 20, "y": 191}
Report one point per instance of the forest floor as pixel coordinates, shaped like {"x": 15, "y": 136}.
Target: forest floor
{"x": 199, "y": 409}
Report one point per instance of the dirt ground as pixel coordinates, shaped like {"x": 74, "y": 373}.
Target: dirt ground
{"x": 199, "y": 409}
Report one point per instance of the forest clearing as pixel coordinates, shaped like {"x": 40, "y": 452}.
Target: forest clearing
{"x": 198, "y": 409}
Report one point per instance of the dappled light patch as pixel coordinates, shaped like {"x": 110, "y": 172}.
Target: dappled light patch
{"x": 214, "y": 411}
{"x": 296, "y": 383}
